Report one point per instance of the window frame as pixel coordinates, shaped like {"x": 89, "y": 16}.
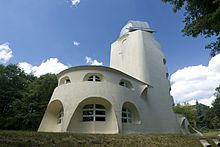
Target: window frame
{"x": 94, "y": 78}
{"x": 64, "y": 80}
{"x": 126, "y": 115}
{"x": 93, "y": 109}
{"x": 126, "y": 83}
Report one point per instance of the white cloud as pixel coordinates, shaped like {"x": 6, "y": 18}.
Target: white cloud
{"x": 26, "y": 67}
{"x": 196, "y": 82}
{"x": 5, "y": 53}
{"x": 51, "y": 65}
{"x": 75, "y": 2}
{"x": 76, "y": 43}
{"x": 92, "y": 62}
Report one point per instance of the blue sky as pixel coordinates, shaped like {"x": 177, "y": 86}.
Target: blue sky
{"x": 38, "y": 30}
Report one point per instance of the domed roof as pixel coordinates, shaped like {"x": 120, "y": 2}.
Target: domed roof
{"x": 135, "y": 25}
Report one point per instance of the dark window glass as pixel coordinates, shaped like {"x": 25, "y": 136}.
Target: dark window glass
{"x": 167, "y": 75}
{"x": 124, "y": 114}
{"x": 122, "y": 83}
{"x": 88, "y": 112}
{"x": 100, "y": 118}
{"x": 124, "y": 120}
{"x": 93, "y": 112}
{"x": 94, "y": 78}
{"x": 98, "y": 112}
{"x": 164, "y": 61}
{"x": 89, "y": 106}
{"x": 97, "y": 79}
{"x": 87, "y": 118}
{"x": 97, "y": 106}
{"x": 67, "y": 81}
{"x": 90, "y": 78}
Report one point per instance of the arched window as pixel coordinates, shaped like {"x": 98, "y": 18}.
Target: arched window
{"x": 126, "y": 83}
{"x": 93, "y": 112}
{"x": 60, "y": 116}
{"x": 126, "y": 116}
{"x": 65, "y": 80}
{"x": 130, "y": 114}
{"x": 94, "y": 78}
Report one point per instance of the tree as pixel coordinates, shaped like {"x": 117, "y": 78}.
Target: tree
{"x": 13, "y": 83}
{"x": 202, "y": 17}
{"x": 28, "y": 111}
{"x": 216, "y": 103}
{"x": 209, "y": 115}
{"x": 212, "y": 115}
{"x": 200, "y": 115}
{"x": 23, "y": 98}
{"x": 188, "y": 111}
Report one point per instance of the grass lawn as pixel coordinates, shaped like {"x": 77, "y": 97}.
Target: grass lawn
{"x": 35, "y": 139}
{"x": 212, "y": 133}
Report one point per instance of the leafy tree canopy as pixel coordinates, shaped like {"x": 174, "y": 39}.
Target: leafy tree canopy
{"x": 201, "y": 109}
{"x": 202, "y": 17}
{"x": 13, "y": 83}
{"x": 188, "y": 111}
{"x": 23, "y": 98}
{"x": 216, "y": 103}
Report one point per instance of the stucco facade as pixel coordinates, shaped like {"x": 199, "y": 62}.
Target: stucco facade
{"x": 130, "y": 96}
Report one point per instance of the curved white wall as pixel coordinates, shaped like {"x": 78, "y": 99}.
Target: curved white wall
{"x": 112, "y": 95}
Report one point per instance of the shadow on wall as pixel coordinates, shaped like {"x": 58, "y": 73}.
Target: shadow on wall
{"x": 53, "y": 117}
{"x": 186, "y": 128}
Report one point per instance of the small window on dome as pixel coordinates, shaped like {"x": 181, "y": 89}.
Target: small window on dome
{"x": 164, "y": 61}
{"x": 93, "y": 77}
{"x": 122, "y": 83}
{"x": 125, "y": 83}
{"x": 167, "y": 75}
{"x": 65, "y": 80}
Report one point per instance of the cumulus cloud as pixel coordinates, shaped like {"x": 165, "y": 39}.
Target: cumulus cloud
{"x": 196, "y": 82}
{"x": 5, "y": 53}
{"x": 51, "y": 65}
{"x": 90, "y": 61}
{"x": 76, "y": 43}
{"x": 75, "y": 2}
{"x": 26, "y": 67}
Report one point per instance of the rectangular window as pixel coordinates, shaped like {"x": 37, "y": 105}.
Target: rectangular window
{"x": 93, "y": 112}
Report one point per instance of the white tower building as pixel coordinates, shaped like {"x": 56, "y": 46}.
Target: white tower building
{"x": 138, "y": 54}
{"x": 130, "y": 96}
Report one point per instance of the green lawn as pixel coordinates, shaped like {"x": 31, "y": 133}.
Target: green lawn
{"x": 211, "y": 133}
{"x": 35, "y": 139}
